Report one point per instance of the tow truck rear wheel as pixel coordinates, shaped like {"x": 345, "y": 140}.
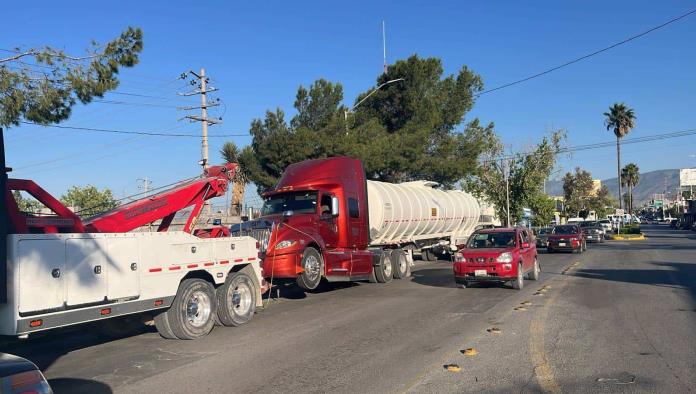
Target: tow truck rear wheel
{"x": 236, "y": 300}
{"x": 312, "y": 267}
{"x": 383, "y": 270}
{"x": 192, "y": 313}
{"x": 399, "y": 264}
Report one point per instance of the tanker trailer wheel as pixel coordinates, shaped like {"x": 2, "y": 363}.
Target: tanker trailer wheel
{"x": 236, "y": 300}
{"x": 399, "y": 264}
{"x": 383, "y": 270}
{"x": 428, "y": 254}
{"x": 192, "y": 314}
{"x": 312, "y": 267}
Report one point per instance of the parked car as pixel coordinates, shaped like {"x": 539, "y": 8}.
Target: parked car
{"x": 542, "y": 236}
{"x": 19, "y": 375}
{"x": 497, "y": 255}
{"x": 606, "y": 224}
{"x": 593, "y": 233}
{"x": 567, "y": 237}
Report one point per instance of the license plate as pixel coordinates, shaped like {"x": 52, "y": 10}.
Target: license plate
{"x": 561, "y": 244}
{"x": 480, "y": 272}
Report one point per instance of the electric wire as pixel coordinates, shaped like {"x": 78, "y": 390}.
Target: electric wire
{"x": 591, "y": 54}
{"x": 147, "y": 133}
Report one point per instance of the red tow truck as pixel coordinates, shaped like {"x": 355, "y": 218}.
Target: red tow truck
{"x": 60, "y": 270}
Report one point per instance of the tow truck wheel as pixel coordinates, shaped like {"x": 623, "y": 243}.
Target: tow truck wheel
{"x": 236, "y": 300}
{"x": 163, "y": 327}
{"x": 383, "y": 270}
{"x": 518, "y": 283}
{"x": 312, "y": 267}
{"x": 399, "y": 264}
{"x": 192, "y": 313}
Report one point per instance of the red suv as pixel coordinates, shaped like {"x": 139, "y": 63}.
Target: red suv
{"x": 567, "y": 237}
{"x": 497, "y": 255}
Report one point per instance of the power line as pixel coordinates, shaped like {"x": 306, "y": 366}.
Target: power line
{"x": 606, "y": 144}
{"x": 133, "y": 103}
{"x": 597, "y": 52}
{"x": 153, "y": 134}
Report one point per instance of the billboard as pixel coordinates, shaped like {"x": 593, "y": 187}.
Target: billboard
{"x": 687, "y": 177}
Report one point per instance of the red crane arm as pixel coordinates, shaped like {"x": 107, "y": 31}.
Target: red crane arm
{"x": 166, "y": 204}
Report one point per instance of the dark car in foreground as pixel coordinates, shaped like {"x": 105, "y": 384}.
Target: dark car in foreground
{"x": 566, "y": 237}
{"x": 497, "y": 255}
{"x": 19, "y": 375}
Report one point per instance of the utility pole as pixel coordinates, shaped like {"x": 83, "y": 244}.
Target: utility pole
{"x": 384, "y": 46}
{"x": 506, "y": 171}
{"x": 202, "y": 90}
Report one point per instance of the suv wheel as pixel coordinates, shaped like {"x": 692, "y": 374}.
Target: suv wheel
{"x": 518, "y": 283}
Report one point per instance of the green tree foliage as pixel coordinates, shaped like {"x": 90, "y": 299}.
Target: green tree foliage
{"x": 620, "y": 119}
{"x": 630, "y": 176}
{"x": 543, "y": 207}
{"x": 46, "y": 95}
{"x": 408, "y": 130}
{"x": 527, "y": 173}
{"x": 26, "y": 204}
{"x": 88, "y": 200}
{"x": 580, "y": 198}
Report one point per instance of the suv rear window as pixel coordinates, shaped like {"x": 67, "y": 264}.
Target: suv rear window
{"x": 565, "y": 229}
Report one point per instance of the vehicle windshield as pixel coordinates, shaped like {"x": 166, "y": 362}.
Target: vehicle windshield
{"x": 298, "y": 202}
{"x": 588, "y": 224}
{"x": 543, "y": 231}
{"x": 565, "y": 230}
{"x": 492, "y": 240}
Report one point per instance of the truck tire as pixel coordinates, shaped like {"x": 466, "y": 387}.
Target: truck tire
{"x": 518, "y": 283}
{"x": 163, "y": 327}
{"x": 428, "y": 255}
{"x": 312, "y": 267}
{"x": 383, "y": 270}
{"x": 192, "y": 313}
{"x": 399, "y": 263}
{"x": 236, "y": 300}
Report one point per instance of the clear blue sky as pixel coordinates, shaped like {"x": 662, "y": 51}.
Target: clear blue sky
{"x": 258, "y": 54}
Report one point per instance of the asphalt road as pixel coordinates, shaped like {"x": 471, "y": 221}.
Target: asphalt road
{"x": 619, "y": 318}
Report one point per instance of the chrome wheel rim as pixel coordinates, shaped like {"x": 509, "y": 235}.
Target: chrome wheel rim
{"x": 387, "y": 268}
{"x": 198, "y": 309}
{"x": 241, "y": 298}
{"x": 312, "y": 268}
{"x": 402, "y": 264}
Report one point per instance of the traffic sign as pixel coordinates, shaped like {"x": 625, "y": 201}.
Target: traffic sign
{"x": 619, "y": 212}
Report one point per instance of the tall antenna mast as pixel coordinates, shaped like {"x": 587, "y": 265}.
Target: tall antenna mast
{"x": 384, "y": 46}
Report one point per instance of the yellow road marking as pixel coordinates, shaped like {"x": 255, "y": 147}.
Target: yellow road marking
{"x": 542, "y": 369}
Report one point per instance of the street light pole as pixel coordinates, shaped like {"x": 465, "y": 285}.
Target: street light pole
{"x": 507, "y": 190}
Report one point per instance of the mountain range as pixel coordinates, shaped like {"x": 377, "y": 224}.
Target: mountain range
{"x": 653, "y": 182}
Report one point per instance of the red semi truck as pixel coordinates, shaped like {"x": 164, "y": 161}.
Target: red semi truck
{"x": 325, "y": 220}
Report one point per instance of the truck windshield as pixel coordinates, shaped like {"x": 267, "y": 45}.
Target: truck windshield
{"x": 298, "y": 202}
{"x": 492, "y": 240}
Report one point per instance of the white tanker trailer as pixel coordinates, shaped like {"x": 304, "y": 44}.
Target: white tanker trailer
{"x": 418, "y": 216}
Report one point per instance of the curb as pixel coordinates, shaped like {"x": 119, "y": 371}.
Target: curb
{"x": 621, "y": 238}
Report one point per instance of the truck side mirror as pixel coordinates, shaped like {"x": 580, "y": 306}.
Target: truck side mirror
{"x": 334, "y": 206}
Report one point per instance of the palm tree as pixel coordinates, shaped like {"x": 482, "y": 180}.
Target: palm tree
{"x": 620, "y": 119}
{"x": 630, "y": 175}
{"x": 230, "y": 153}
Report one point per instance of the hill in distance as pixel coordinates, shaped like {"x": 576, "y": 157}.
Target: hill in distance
{"x": 653, "y": 182}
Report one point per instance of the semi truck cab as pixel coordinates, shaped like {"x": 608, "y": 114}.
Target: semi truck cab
{"x": 318, "y": 223}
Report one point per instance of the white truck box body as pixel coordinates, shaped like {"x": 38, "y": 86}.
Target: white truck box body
{"x": 63, "y": 279}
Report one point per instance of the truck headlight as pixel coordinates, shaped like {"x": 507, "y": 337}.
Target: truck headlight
{"x": 285, "y": 244}
{"x": 504, "y": 258}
